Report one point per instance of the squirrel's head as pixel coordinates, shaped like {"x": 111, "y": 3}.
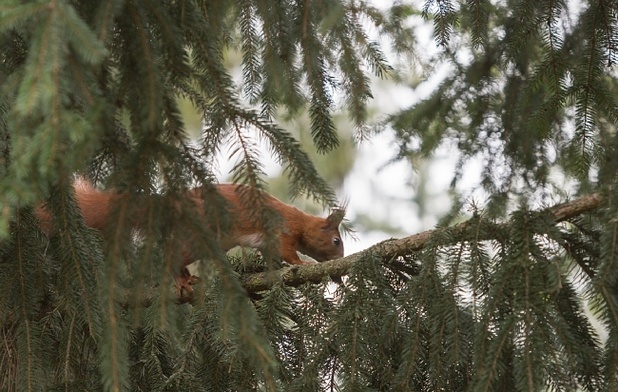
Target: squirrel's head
{"x": 321, "y": 240}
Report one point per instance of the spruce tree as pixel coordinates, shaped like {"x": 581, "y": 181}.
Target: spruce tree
{"x": 498, "y": 297}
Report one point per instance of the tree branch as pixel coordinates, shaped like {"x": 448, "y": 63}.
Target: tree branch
{"x": 389, "y": 250}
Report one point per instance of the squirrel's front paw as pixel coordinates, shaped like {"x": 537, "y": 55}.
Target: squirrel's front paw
{"x": 184, "y": 286}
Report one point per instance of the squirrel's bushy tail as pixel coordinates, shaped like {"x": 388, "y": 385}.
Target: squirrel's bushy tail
{"x": 94, "y": 204}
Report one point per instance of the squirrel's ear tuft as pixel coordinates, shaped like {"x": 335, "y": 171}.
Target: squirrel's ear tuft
{"x": 335, "y": 218}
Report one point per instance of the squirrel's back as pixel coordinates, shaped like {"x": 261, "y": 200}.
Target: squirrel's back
{"x": 94, "y": 203}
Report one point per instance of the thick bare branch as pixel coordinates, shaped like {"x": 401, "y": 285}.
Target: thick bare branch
{"x": 390, "y": 249}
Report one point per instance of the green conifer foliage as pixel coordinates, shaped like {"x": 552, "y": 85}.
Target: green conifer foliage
{"x": 91, "y": 88}
{"x": 505, "y": 301}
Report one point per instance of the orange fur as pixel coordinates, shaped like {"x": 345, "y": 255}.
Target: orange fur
{"x": 313, "y": 236}
{"x": 94, "y": 204}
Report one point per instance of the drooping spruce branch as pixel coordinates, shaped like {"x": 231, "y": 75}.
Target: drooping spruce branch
{"x": 389, "y": 250}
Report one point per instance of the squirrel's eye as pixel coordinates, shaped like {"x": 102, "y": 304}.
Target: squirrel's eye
{"x": 337, "y": 241}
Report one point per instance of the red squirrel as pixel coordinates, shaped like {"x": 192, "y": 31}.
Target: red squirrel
{"x": 313, "y": 236}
